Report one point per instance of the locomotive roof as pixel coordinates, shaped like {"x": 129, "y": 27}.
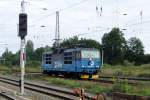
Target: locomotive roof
{"x": 71, "y": 50}
{"x": 78, "y": 49}
{"x": 49, "y": 52}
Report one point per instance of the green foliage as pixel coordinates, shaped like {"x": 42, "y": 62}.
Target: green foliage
{"x": 29, "y": 50}
{"x": 146, "y": 59}
{"x": 68, "y": 43}
{"x": 47, "y": 48}
{"x": 145, "y": 91}
{"x": 128, "y": 63}
{"x": 84, "y": 43}
{"x": 38, "y": 54}
{"x": 135, "y": 50}
{"x": 88, "y": 86}
{"x": 114, "y": 45}
{"x": 121, "y": 86}
{"x": 10, "y": 58}
{"x": 117, "y": 51}
{"x": 131, "y": 71}
{"x": 33, "y": 63}
{"x": 33, "y": 57}
{"x": 94, "y": 87}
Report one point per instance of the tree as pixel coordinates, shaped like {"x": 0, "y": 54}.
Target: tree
{"x": 8, "y": 55}
{"x": 84, "y": 43}
{"x": 16, "y": 60}
{"x": 89, "y": 43}
{"x": 114, "y": 46}
{"x": 135, "y": 50}
{"x": 146, "y": 59}
{"x": 68, "y": 43}
{"x": 47, "y": 48}
{"x": 38, "y": 53}
{"x": 29, "y": 50}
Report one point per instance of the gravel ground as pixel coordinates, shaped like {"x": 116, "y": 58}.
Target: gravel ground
{"x": 2, "y": 98}
{"x": 28, "y": 94}
{"x": 38, "y": 96}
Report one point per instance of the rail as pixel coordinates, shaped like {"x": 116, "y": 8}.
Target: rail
{"x": 7, "y": 96}
{"x": 48, "y": 90}
{"x": 128, "y": 78}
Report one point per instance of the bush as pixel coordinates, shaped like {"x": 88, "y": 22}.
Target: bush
{"x": 144, "y": 75}
{"x": 107, "y": 65}
{"x": 119, "y": 72}
{"x": 33, "y": 63}
{"x": 121, "y": 86}
{"x": 128, "y": 63}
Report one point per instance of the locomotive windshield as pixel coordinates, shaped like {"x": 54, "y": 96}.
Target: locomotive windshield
{"x": 90, "y": 54}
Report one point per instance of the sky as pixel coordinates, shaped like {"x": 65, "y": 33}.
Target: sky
{"x": 77, "y": 17}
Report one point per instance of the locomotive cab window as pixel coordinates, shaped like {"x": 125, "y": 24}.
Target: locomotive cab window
{"x": 68, "y": 58}
{"x": 90, "y": 54}
{"x": 78, "y": 55}
{"x": 47, "y": 58}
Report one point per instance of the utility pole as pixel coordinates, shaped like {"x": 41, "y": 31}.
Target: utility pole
{"x": 57, "y": 35}
{"x": 102, "y": 57}
{"x": 22, "y": 34}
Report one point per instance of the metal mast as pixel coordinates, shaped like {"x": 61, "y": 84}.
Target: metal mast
{"x": 22, "y": 53}
{"x": 22, "y": 6}
{"x": 57, "y": 35}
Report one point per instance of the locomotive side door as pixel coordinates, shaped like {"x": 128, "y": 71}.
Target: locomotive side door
{"x": 77, "y": 60}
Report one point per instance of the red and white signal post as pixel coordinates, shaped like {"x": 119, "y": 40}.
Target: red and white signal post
{"x": 22, "y": 34}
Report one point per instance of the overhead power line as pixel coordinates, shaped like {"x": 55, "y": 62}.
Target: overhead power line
{"x": 148, "y": 21}
{"x": 61, "y": 9}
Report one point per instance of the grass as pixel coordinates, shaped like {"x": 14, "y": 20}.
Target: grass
{"x": 93, "y": 87}
{"x": 119, "y": 70}
{"x": 16, "y": 69}
{"x": 107, "y": 70}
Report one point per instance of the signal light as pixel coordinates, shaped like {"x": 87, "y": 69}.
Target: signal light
{"x": 22, "y": 25}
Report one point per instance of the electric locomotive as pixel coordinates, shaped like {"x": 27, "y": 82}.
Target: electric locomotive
{"x": 80, "y": 62}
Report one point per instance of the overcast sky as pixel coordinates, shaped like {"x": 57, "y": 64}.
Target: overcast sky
{"x": 76, "y": 17}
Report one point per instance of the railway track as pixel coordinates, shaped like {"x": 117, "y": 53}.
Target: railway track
{"x": 47, "y": 90}
{"x": 5, "y": 96}
{"x": 59, "y": 92}
{"x": 102, "y": 79}
{"x": 106, "y": 77}
{"x": 128, "y": 78}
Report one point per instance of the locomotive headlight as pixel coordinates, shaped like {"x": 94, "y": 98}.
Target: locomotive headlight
{"x": 97, "y": 66}
{"x": 82, "y": 66}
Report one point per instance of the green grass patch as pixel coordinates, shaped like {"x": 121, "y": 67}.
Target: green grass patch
{"x": 94, "y": 87}
{"x": 119, "y": 70}
{"x": 91, "y": 87}
{"x": 16, "y": 69}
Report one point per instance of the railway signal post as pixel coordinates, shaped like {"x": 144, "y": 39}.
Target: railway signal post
{"x": 22, "y": 34}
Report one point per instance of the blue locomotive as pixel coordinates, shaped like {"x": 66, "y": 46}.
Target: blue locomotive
{"x": 80, "y": 62}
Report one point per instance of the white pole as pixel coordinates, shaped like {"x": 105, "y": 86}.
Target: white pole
{"x": 23, "y": 6}
{"x": 57, "y": 35}
{"x": 22, "y": 65}
{"x": 102, "y": 57}
{"x": 22, "y": 55}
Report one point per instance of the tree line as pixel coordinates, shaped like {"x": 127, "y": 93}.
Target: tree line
{"x": 117, "y": 50}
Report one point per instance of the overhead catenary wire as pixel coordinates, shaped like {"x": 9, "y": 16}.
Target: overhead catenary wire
{"x": 60, "y": 10}
{"x": 53, "y": 13}
{"x": 99, "y": 8}
{"x": 138, "y": 24}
